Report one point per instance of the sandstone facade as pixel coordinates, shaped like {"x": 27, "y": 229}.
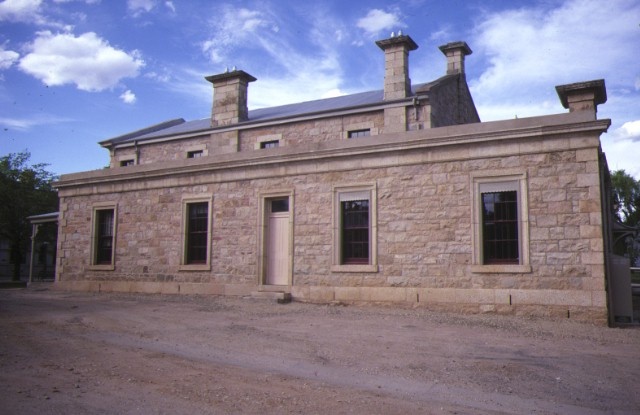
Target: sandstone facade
{"x": 421, "y": 163}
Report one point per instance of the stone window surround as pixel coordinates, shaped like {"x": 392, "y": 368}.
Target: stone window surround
{"x": 269, "y": 137}
{"x": 495, "y": 177}
{"x": 263, "y": 212}
{"x": 186, "y": 200}
{"x": 336, "y": 227}
{"x": 126, "y": 157}
{"x": 94, "y": 216}
{"x": 195, "y": 148}
{"x": 365, "y": 125}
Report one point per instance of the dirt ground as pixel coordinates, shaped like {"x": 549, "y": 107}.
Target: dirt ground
{"x": 77, "y": 353}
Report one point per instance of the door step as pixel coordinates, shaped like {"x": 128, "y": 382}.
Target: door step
{"x": 279, "y": 296}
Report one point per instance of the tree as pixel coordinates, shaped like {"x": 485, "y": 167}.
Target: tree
{"x": 625, "y": 191}
{"x": 25, "y": 190}
{"x": 626, "y": 197}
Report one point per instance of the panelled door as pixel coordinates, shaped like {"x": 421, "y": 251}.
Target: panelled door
{"x": 277, "y": 242}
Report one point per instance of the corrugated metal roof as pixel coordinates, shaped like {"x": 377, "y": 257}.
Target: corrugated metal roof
{"x": 174, "y": 127}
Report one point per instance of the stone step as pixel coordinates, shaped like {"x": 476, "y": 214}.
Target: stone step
{"x": 280, "y": 296}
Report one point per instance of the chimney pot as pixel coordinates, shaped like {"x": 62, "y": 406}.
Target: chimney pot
{"x": 397, "y": 83}
{"x": 230, "y": 97}
{"x": 455, "y": 53}
{"x": 583, "y": 96}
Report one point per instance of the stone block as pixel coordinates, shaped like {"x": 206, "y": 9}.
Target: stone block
{"x": 590, "y": 231}
{"x": 347, "y": 294}
{"x": 321, "y": 294}
{"x": 592, "y": 258}
{"x": 590, "y": 154}
{"x": 599, "y": 298}
{"x": 588, "y": 179}
{"x": 238, "y": 289}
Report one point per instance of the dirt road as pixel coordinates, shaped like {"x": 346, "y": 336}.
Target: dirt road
{"x": 72, "y": 353}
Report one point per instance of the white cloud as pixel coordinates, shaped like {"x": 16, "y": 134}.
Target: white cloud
{"x": 7, "y": 58}
{"x": 128, "y": 97}
{"x": 630, "y": 130}
{"x": 622, "y": 154}
{"x": 170, "y": 6}
{"x": 139, "y": 6}
{"x": 83, "y": 1}
{"x": 20, "y": 10}
{"x": 530, "y": 50}
{"x": 377, "y": 20}
{"x": 233, "y": 28}
{"x": 24, "y": 124}
{"x": 87, "y": 61}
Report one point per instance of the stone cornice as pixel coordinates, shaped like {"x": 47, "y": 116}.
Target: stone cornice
{"x": 491, "y": 139}
{"x": 252, "y": 124}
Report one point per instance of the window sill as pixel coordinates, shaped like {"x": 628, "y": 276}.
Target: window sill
{"x": 501, "y": 269}
{"x": 354, "y": 268}
{"x": 109, "y": 267}
{"x": 195, "y": 267}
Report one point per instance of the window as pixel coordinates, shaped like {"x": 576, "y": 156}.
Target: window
{"x": 355, "y": 246}
{"x": 270, "y": 144}
{"x": 359, "y": 133}
{"x": 125, "y": 163}
{"x": 195, "y": 154}
{"x": 500, "y": 228}
{"x": 280, "y": 205}
{"x": 501, "y": 231}
{"x": 103, "y": 237}
{"x": 196, "y": 234}
{"x": 355, "y": 231}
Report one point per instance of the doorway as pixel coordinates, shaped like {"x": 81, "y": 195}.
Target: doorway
{"x": 277, "y": 249}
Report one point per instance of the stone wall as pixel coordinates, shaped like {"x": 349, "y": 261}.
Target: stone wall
{"x": 424, "y": 220}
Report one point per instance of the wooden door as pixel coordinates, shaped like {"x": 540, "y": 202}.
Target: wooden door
{"x": 277, "y": 241}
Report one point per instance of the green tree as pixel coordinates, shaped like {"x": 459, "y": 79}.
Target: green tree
{"x": 626, "y": 197}
{"x": 625, "y": 191}
{"x": 25, "y": 190}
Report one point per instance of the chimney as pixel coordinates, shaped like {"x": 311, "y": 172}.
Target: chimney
{"x": 229, "y": 97}
{"x": 583, "y": 96}
{"x": 396, "y": 49}
{"x": 455, "y": 53}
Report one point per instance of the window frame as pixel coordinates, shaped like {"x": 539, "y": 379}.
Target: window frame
{"x": 95, "y": 235}
{"x": 339, "y": 194}
{"x": 200, "y": 149}
{"x": 185, "y": 265}
{"x": 195, "y": 154}
{"x": 512, "y": 181}
{"x": 269, "y": 144}
{"x": 364, "y": 132}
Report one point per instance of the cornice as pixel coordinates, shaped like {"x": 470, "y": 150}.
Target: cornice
{"x": 435, "y": 139}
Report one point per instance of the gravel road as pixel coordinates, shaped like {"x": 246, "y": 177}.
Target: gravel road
{"x": 82, "y": 353}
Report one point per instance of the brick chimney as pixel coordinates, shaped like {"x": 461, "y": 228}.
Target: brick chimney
{"x": 455, "y": 53}
{"x": 229, "y": 97}
{"x": 397, "y": 83}
{"x": 583, "y": 96}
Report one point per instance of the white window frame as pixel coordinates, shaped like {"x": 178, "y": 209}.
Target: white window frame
{"x": 126, "y": 157}
{"x": 366, "y": 125}
{"x": 336, "y": 225}
{"x": 270, "y": 137}
{"x": 196, "y": 148}
{"x": 507, "y": 180}
{"x": 94, "y": 230}
{"x": 186, "y": 201}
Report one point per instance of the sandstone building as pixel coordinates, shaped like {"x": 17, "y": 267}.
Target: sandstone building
{"x": 398, "y": 195}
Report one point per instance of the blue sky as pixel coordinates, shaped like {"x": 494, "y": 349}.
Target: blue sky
{"x": 75, "y": 72}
